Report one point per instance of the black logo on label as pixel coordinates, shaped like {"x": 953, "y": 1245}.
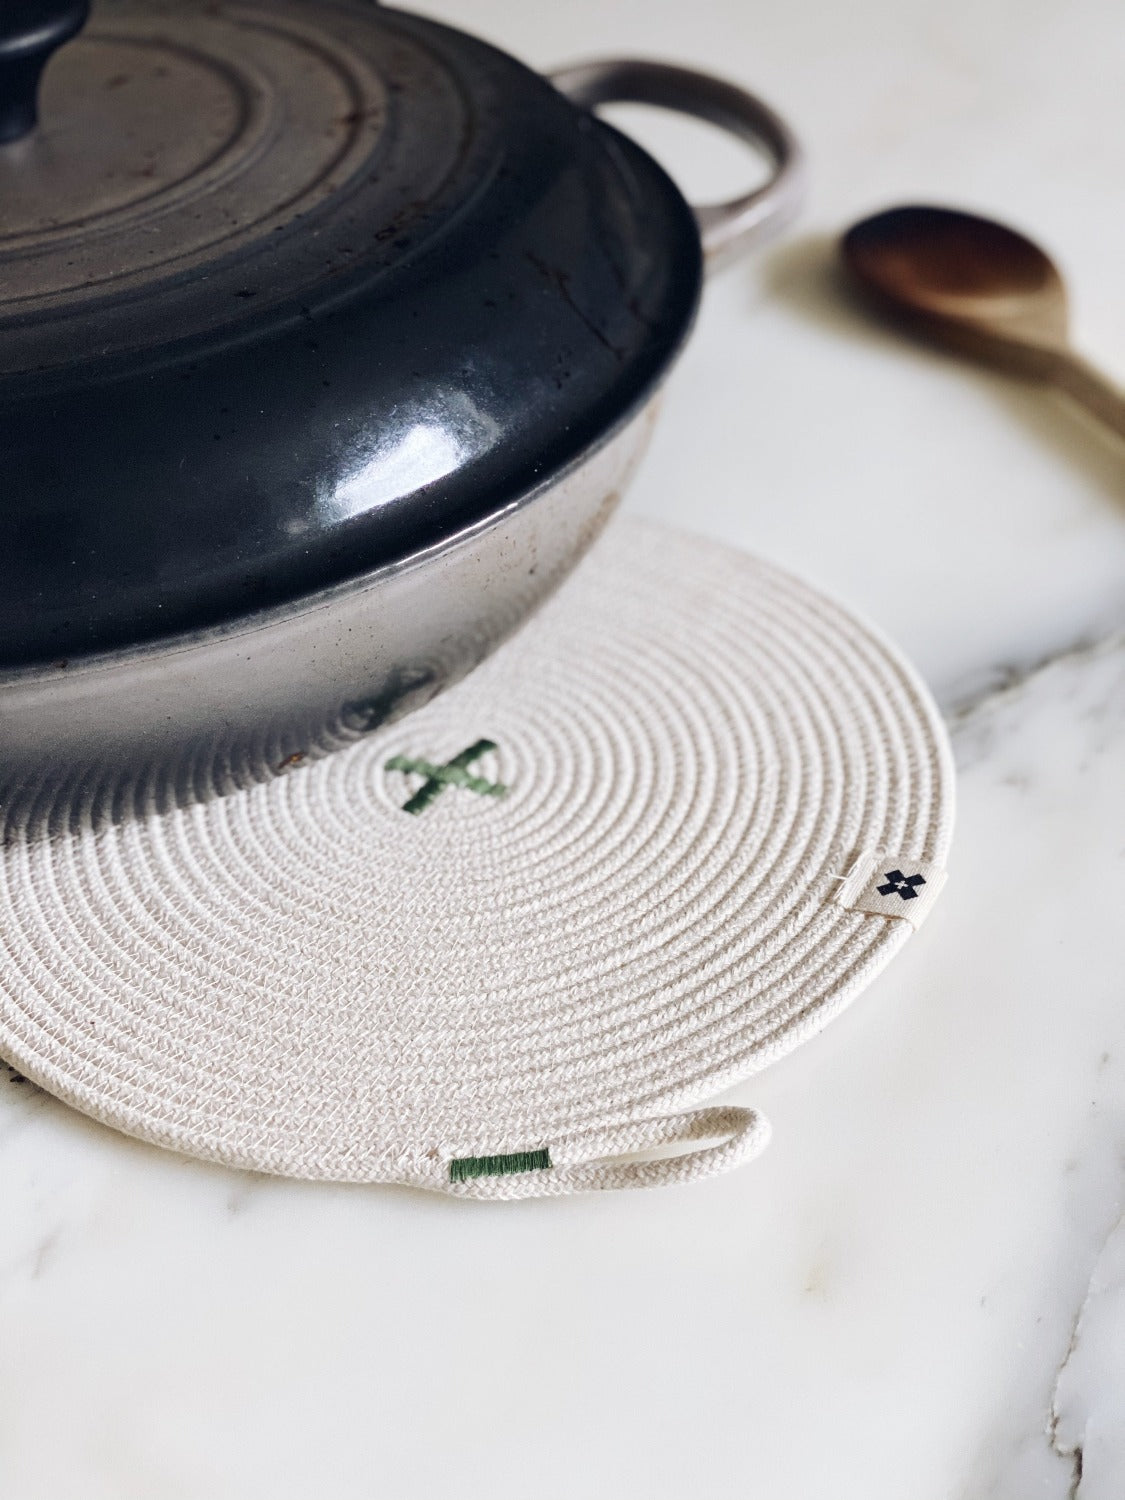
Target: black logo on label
{"x": 902, "y": 885}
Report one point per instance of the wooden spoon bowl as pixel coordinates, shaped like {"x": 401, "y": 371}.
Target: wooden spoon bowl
{"x": 980, "y": 288}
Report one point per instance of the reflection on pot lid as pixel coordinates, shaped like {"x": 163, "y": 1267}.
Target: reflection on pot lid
{"x": 290, "y": 289}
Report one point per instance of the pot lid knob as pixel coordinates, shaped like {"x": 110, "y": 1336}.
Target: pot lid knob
{"x": 30, "y": 31}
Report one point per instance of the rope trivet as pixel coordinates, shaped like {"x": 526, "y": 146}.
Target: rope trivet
{"x": 658, "y": 840}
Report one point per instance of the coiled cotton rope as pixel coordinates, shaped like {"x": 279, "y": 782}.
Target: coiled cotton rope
{"x": 636, "y": 876}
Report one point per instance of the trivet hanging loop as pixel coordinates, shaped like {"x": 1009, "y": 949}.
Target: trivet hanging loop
{"x": 597, "y": 1159}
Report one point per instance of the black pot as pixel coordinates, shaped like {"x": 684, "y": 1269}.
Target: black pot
{"x": 328, "y": 338}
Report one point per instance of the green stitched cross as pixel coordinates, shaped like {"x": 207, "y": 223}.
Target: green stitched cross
{"x": 454, "y": 773}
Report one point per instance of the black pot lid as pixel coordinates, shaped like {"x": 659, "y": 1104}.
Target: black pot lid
{"x": 293, "y": 288}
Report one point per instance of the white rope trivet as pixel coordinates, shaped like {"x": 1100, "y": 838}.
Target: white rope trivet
{"x": 500, "y": 947}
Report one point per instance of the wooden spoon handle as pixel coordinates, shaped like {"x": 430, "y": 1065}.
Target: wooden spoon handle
{"x": 1092, "y": 390}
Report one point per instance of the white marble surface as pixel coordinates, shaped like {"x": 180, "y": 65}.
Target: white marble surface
{"x": 920, "y": 1289}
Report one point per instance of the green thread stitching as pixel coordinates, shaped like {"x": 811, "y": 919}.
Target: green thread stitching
{"x": 467, "y": 1167}
{"x": 453, "y": 773}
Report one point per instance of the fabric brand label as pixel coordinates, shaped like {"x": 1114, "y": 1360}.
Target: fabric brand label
{"x": 891, "y": 885}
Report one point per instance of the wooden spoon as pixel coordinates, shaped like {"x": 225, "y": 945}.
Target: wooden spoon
{"x": 982, "y": 289}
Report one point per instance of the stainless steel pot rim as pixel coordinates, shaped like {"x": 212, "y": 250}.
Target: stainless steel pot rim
{"x": 326, "y": 599}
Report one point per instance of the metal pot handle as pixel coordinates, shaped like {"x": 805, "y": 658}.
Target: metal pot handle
{"x": 726, "y": 229}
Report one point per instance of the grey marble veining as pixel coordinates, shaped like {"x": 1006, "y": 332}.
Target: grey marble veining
{"x": 924, "y": 1275}
{"x": 919, "y": 1290}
